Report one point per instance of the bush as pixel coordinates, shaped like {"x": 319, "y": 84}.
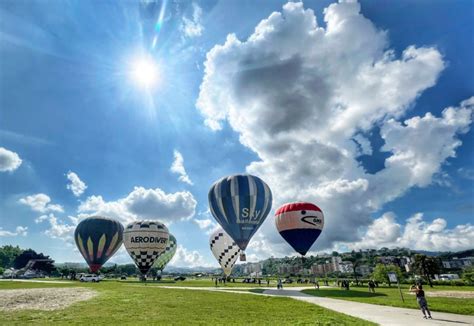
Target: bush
{"x": 450, "y": 283}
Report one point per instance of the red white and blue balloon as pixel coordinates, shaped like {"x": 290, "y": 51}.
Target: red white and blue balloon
{"x": 300, "y": 224}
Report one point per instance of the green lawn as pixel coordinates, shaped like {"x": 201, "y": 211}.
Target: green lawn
{"x": 391, "y": 297}
{"x": 127, "y": 303}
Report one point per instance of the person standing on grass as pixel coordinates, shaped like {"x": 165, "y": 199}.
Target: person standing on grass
{"x": 279, "y": 284}
{"x": 420, "y": 298}
{"x": 371, "y": 286}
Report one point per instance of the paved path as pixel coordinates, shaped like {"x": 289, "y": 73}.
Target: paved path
{"x": 382, "y": 315}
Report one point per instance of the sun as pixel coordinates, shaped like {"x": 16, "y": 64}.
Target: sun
{"x": 144, "y": 72}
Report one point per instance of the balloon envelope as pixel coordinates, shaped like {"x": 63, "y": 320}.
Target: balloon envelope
{"x": 98, "y": 238}
{"x": 165, "y": 257}
{"x": 144, "y": 241}
{"x": 300, "y": 224}
{"x": 225, "y": 250}
{"x": 240, "y": 203}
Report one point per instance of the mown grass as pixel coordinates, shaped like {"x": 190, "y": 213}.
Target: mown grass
{"x": 391, "y": 297}
{"x": 124, "y": 303}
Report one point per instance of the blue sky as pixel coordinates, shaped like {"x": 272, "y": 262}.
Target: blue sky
{"x": 68, "y": 103}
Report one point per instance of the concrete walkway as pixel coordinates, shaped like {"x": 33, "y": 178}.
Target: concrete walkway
{"x": 382, "y": 315}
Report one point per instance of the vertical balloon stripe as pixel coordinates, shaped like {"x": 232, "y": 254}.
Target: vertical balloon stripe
{"x": 234, "y": 191}
{"x": 260, "y": 200}
{"x": 90, "y": 248}
{"x": 218, "y": 198}
{"x": 81, "y": 246}
{"x": 228, "y": 208}
{"x": 268, "y": 199}
{"x": 112, "y": 244}
{"x": 253, "y": 196}
{"x": 100, "y": 248}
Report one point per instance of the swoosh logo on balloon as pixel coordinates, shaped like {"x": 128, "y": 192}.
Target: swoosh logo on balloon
{"x": 310, "y": 219}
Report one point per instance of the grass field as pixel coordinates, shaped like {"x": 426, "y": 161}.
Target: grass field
{"x": 391, "y": 297}
{"x": 130, "y": 302}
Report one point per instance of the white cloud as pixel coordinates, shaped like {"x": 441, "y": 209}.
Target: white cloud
{"x": 178, "y": 168}
{"x": 188, "y": 258}
{"x": 298, "y": 95}
{"x": 20, "y": 231}
{"x": 192, "y": 27}
{"x": 9, "y": 161}
{"x": 143, "y": 203}
{"x": 76, "y": 185}
{"x": 364, "y": 143}
{"x": 41, "y": 203}
{"x": 416, "y": 234}
{"x": 203, "y": 224}
{"x": 60, "y": 230}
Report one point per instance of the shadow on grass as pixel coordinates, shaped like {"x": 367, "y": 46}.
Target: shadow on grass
{"x": 343, "y": 294}
{"x": 149, "y": 282}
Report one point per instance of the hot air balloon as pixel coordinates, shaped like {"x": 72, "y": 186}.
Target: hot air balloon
{"x": 225, "y": 250}
{"x": 240, "y": 203}
{"x": 165, "y": 257}
{"x": 98, "y": 238}
{"x": 144, "y": 241}
{"x": 300, "y": 224}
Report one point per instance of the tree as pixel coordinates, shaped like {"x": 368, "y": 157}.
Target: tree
{"x": 8, "y": 254}
{"x": 355, "y": 258}
{"x": 381, "y": 271}
{"x": 468, "y": 275}
{"x": 425, "y": 266}
{"x": 29, "y": 254}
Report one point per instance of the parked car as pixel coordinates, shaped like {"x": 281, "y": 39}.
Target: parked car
{"x": 123, "y": 277}
{"x": 179, "y": 278}
{"x": 90, "y": 278}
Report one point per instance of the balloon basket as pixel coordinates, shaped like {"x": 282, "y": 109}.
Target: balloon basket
{"x": 243, "y": 257}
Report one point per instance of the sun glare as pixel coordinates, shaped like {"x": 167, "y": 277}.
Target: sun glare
{"x": 144, "y": 72}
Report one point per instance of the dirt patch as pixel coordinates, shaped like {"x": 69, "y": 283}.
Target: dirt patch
{"x": 43, "y": 299}
{"x": 448, "y": 294}
{"x": 451, "y": 294}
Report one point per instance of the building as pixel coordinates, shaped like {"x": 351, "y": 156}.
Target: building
{"x": 456, "y": 263}
{"x": 324, "y": 268}
{"x": 253, "y": 268}
{"x": 287, "y": 269}
{"x": 346, "y": 267}
{"x": 363, "y": 270}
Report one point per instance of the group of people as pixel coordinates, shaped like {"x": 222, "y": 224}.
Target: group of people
{"x": 344, "y": 284}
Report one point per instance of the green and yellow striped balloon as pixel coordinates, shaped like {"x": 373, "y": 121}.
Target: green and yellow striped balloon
{"x": 98, "y": 238}
{"x": 164, "y": 258}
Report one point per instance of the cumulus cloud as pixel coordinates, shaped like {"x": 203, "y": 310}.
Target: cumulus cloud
{"x": 59, "y": 229}
{"x": 188, "y": 258}
{"x": 203, "y": 224}
{"x": 416, "y": 234}
{"x": 20, "y": 231}
{"x": 192, "y": 27}
{"x": 302, "y": 96}
{"x": 143, "y": 203}
{"x": 76, "y": 185}
{"x": 9, "y": 161}
{"x": 41, "y": 203}
{"x": 178, "y": 168}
